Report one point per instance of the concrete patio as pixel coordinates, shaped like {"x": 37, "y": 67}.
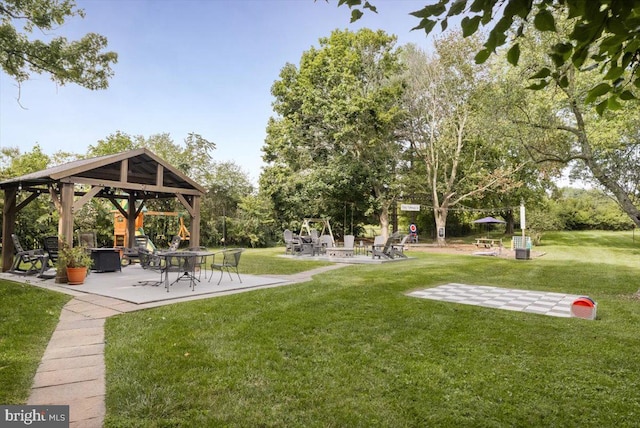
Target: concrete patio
{"x": 128, "y": 285}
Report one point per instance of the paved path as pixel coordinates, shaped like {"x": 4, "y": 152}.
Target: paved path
{"x": 72, "y": 370}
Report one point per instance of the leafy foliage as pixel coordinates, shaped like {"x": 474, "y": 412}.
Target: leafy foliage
{"x": 83, "y": 61}
{"x": 446, "y": 114}
{"x": 331, "y": 143}
{"x": 605, "y": 32}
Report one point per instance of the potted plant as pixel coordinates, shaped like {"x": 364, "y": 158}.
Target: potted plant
{"x": 77, "y": 261}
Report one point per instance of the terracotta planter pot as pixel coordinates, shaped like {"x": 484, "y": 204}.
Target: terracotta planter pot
{"x": 76, "y": 275}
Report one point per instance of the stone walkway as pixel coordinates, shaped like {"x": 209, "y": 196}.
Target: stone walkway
{"x": 72, "y": 370}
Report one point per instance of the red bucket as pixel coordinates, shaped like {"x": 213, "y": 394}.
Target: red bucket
{"x": 584, "y": 307}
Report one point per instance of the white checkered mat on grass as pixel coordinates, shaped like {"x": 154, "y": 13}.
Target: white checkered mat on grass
{"x": 537, "y": 302}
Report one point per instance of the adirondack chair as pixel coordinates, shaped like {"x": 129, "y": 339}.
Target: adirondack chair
{"x": 378, "y": 242}
{"x": 292, "y": 245}
{"x": 397, "y": 250}
{"x": 385, "y": 250}
{"x": 325, "y": 241}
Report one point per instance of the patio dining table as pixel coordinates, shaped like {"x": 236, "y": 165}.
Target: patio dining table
{"x": 185, "y": 263}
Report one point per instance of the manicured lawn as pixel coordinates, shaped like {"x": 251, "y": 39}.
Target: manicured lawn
{"x": 28, "y": 316}
{"x": 351, "y": 349}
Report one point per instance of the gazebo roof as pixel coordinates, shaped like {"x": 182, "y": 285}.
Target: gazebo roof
{"x": 145, "y": 171}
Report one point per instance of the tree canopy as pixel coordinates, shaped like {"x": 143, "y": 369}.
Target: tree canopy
{"x": 84, "y": 62}
{"x": 604, "y": 35}
{"x": 332, "y": 141}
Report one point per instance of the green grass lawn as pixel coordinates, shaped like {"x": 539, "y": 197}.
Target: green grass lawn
{"x": 351, "y": 349}
{"x": 28, "y": 317}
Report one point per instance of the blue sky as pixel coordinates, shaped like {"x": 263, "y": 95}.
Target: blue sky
{"x": 203, "y": 66}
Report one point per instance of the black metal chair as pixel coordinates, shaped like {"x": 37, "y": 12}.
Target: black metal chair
{"x": 133, "y": 254}
{"x": 152, "y": 262}
{"x": 230, "y": 260}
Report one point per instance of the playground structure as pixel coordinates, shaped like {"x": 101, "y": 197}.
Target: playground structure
{"x": 307, "y": 223}
{"x": 120, "y": 234}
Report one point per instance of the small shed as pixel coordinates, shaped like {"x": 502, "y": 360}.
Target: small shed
{"x": 136, "y": 176}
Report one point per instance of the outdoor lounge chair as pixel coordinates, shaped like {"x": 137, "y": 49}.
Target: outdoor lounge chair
{"x": 397, "y": 250}
{"x": 52, "y": 247}
{"x": 291, "y": 244}
{"x": 325, "y": 241}
{"x": 384, "y": 251}
{"x": 28, "y": 262}
{"x": 378, "y": 243}
{"x": 230, "y": 260}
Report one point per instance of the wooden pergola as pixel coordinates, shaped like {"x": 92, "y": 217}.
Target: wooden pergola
{"x": 135, "y": 176}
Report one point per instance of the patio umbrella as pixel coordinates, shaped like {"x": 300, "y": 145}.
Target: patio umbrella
{"x": 489, "y": 220}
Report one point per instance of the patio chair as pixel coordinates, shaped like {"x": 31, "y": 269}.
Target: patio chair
{"x": 378, "y": 242}
{"x": 230, "y": 260}
{"x": 326, "y": 241}
{"x": 397, "y": 250}
{"x": 87, "y": 239}
{"x": 348, "y": 241}
{"x": 291, "y": 244}
{"x": 133, "y": 254}
{"x": 52, "y": 247}
{"x": 152, "y": 262}
{"x": 28, "y": 262}
{"x": 200, "y": 261}
{"x": 175, "y": 243}
{"x": 384, "y": 251}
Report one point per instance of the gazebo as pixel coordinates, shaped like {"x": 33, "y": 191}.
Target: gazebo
{"x": 136, "y": 176}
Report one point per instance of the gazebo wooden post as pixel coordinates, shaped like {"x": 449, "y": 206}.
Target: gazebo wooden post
{"x": 131, "y": 221}
{"x": 8, "y": 226}
{"x": 194, "y": 226}
{"x": 65, "y": 224}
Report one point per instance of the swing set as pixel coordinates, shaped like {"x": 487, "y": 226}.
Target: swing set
{"x": 120, "y": 226}
{"x": 310, "y": 223}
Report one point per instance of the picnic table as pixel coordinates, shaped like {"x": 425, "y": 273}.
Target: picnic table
{"x": 488, "y": 242}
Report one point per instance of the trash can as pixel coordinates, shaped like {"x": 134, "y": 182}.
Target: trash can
{"x": 523, "y": 253}
{"x": 584, "y": 307}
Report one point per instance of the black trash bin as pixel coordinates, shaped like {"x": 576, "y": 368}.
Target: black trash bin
{"x": 523, "y": 253}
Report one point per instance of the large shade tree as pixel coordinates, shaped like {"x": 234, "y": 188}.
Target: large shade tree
{"x": 445, "y": 123}
{"x": 332, "y": 141}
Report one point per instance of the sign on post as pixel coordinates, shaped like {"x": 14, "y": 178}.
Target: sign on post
{"x": 409, "y": 207}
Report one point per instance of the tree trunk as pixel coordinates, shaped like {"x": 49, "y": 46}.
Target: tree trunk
{"x": 508, "y": 217}
{"x": 440, "y": 216}
{"x": 384, "y": 221}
